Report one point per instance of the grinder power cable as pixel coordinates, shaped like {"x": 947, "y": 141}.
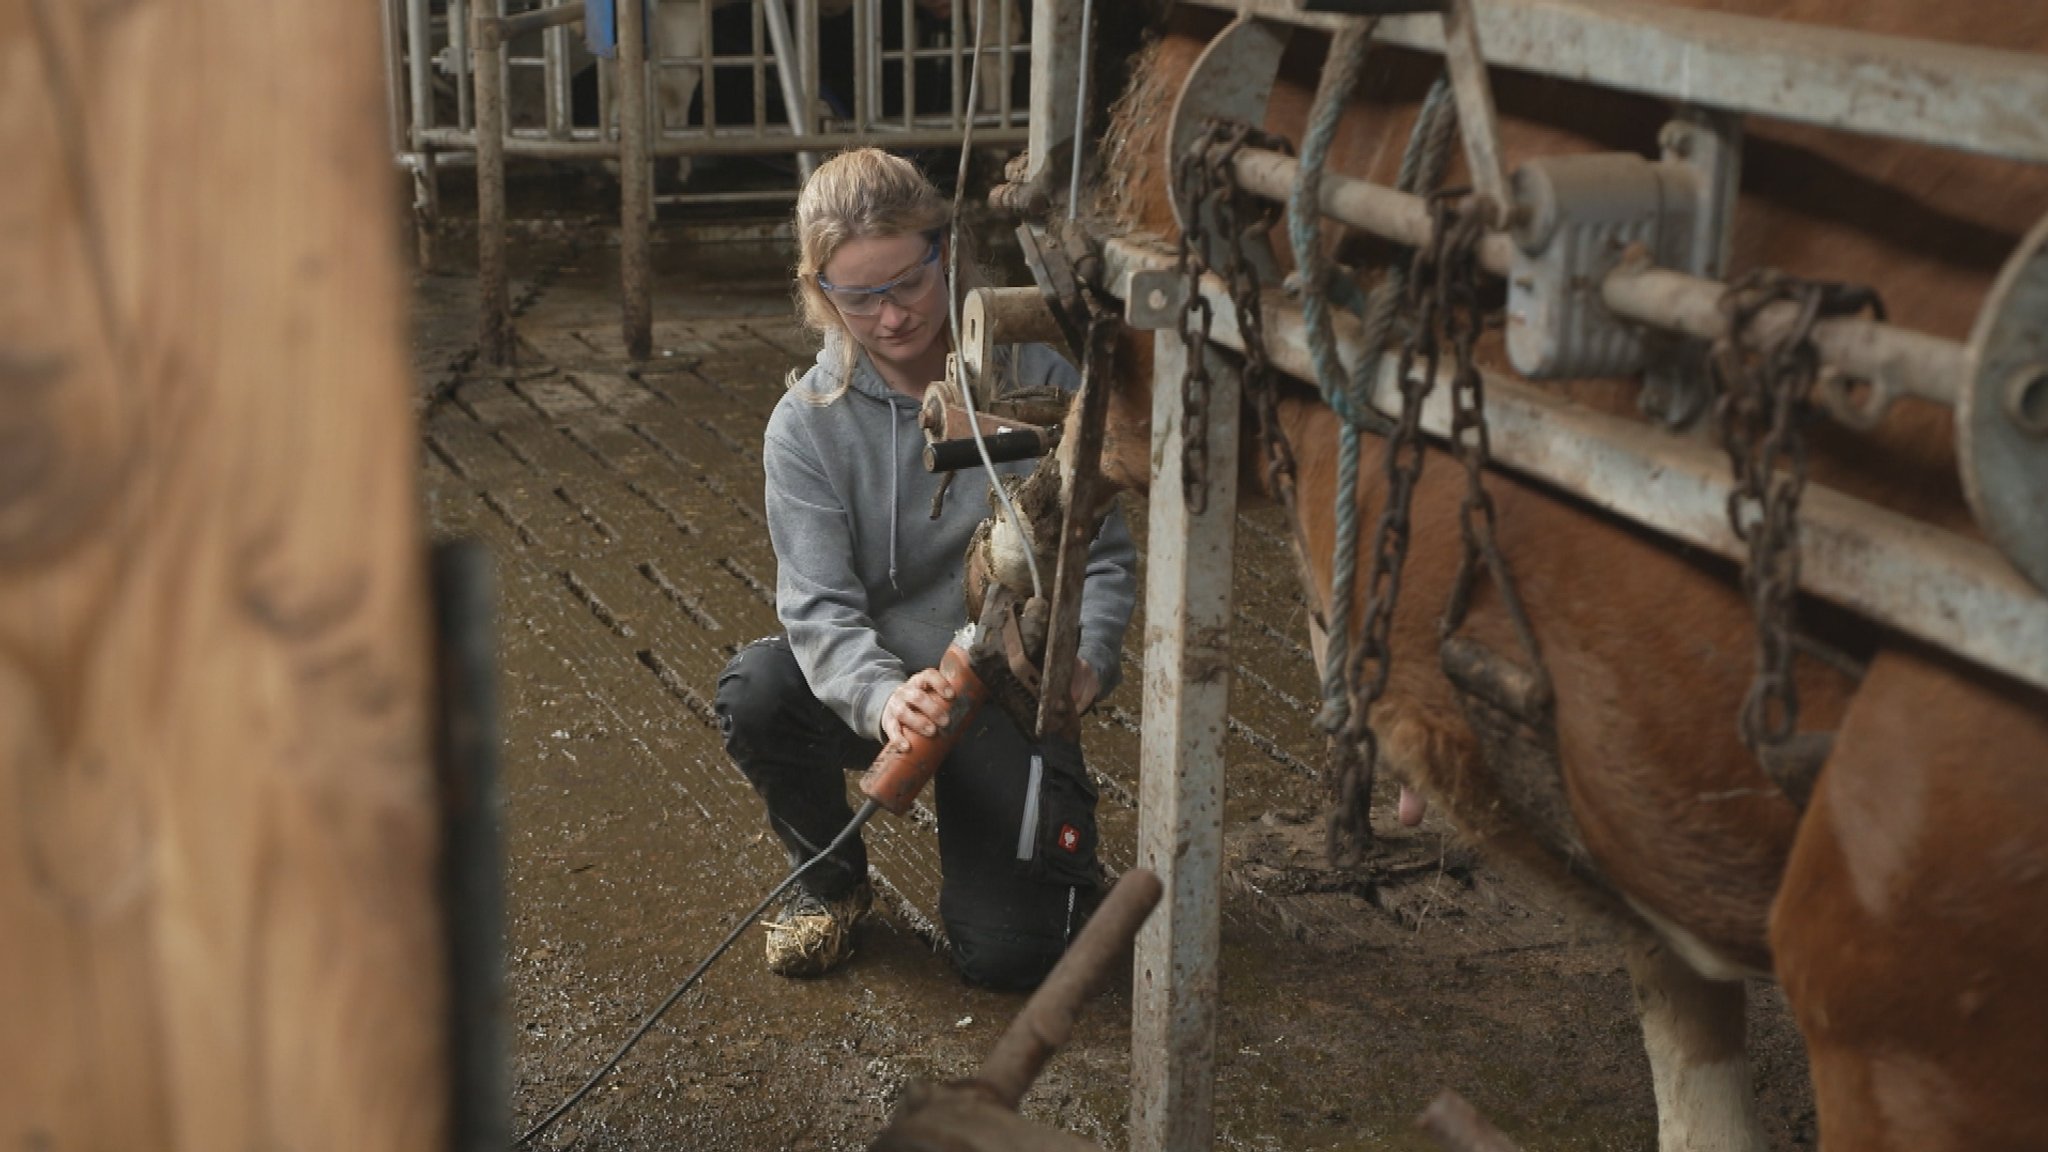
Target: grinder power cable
{"x": 892, "y": 781}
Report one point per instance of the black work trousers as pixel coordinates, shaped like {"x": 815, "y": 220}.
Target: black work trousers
{"x": 1017, "y": 864}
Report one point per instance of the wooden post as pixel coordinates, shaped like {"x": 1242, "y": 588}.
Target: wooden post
{"x": 218, "y": 842}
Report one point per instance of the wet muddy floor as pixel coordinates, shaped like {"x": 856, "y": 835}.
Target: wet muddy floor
{"x": 623, "y": 505}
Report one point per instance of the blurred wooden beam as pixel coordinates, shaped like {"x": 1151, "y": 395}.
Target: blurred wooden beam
{"x": 218, "y": 839}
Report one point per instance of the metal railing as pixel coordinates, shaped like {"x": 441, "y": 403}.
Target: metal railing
{"x": 480, "y": 81}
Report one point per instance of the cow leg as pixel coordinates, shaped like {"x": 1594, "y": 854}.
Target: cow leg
{"x": 681, "y": 36}
{"x": 1908, "y": 933}
{"x": 1693, "y": 1029}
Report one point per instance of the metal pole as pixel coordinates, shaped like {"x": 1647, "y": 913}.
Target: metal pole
{"x": 636, "y": 181}
{"x": 494, "y": 301}
{"x": 1180, "y": 790}
{"x": 1054, "y": 74}
{"x": 1080, "y": 113}
{"x": 426, "y": 183}
{"x": 394, "y": 68}
{"x": 788, "y": 66}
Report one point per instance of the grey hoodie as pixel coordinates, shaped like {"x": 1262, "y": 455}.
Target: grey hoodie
{"x": 868, "y": 586}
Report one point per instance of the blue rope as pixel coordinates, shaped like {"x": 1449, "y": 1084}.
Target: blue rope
{"x": 1423, "y": 164}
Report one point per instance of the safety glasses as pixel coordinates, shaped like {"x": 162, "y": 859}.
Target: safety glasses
{"x": 904, "y": 289}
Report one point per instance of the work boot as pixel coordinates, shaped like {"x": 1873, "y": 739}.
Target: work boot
{"x": 810, "y": 936}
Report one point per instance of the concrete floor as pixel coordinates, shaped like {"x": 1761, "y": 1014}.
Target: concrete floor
{"x": 623, "y": 504}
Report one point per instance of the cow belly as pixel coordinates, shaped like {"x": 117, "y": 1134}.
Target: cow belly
{"x": 1910, "y": 932}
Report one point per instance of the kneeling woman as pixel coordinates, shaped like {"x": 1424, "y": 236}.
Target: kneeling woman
{"x": 868, "y": 588}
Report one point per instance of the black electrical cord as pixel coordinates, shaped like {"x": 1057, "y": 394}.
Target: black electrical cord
{"x": 866, "y": 810}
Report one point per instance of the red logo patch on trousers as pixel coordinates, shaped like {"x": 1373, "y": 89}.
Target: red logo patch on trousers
{"x": 1070, "y": 838}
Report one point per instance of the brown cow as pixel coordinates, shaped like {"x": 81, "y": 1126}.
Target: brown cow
{"x": 1903, "y": 913}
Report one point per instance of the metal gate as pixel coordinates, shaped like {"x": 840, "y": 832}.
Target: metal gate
{"x": 480, "y": 82}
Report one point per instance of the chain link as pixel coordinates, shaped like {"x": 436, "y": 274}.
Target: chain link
{"x": 1763, "y": 389}
{"x": 1192, "y": 179}
{"x": 1206, "y": 178}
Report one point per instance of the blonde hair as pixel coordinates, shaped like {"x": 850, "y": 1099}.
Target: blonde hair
{"x": 858, "y": 193}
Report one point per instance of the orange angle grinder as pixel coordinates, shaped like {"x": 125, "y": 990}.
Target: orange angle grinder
{"x": 900, "y": 773}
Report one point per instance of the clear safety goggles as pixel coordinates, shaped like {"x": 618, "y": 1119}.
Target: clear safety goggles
{"x": 904, "y": 289}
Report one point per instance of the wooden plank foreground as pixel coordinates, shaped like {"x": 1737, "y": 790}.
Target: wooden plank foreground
{"x": 217, "y": 812}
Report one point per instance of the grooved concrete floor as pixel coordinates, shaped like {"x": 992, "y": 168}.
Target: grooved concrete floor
{"x": 623, "y": 504}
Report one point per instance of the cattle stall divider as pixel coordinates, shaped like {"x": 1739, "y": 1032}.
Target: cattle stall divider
{"x": 1980, "y": 601}
{"x": 486, "y": 82}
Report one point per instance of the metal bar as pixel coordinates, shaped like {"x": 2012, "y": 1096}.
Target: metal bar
{"x": 754, "y": 197}
{"x": 539, "y": 19}
{"x": 864, "y": 49}
{"x": 465, "y": 60}
{"x": 555, "y": 77}
{"x": 494, "y": 303}
{"x": 1047, "y": 1020}
{"x": 959, "y": 74}
{"x": 473, "y": 848}
{"x": 1473, "y": 93}
{"x": 1897, "y": 360}
{"x": 419, "y": 49}
{"x": 909, "y": 74}
{"x": 1006, "y": 67}
{"x": 1080, "y": 136}
{"x": 757, "y": 61}
{"x": 636, "y": 184}
{"x": 1054, "y": 71}
{"x": 807, "y": 48}
{"x": 790, "y": 80}
{"x": 1958, "y": 594}
{"x": 709, "y": 83}
{"x": 1974, "y": 99}
{"x": 1181, "y": 754}
{"x": 390, "y": 18}
{"x": 774, "y": 144}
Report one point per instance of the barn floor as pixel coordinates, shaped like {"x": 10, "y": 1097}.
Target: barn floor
{"x": 623, "y": 504}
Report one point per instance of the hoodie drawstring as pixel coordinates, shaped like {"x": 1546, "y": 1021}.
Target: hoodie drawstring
{"x": 895, "y": 488}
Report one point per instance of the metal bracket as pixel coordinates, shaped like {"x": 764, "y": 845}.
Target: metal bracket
{"x": 1675, "y": 385}
{"x": 1157, "y": 296}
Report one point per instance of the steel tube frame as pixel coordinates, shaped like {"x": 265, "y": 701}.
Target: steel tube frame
{"x": 542, "y": 148}
{"x": 636, "y": 182}
{"x": 788, "y": 79}
{"x": 418, "y": 139}
{"x": 1898, "y": 360}
{"x": 1974, "y": 99}
{"x": 1188, "y": 571}
{"x": 494, "y": 302}
{"x": 426, "y": 182}
{"x": 1955, "y": 593}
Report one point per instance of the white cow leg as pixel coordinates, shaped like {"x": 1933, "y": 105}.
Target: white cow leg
{"x": 681, "y": 34}
{"x": 1693, "y": 1029}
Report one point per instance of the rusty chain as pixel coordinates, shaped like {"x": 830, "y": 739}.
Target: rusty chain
{"x": 1763, "y": 388}
{"x": 1458, "y": 286}
{"x": 1206, "y": 178}
{"x": 1191, "y": 177}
